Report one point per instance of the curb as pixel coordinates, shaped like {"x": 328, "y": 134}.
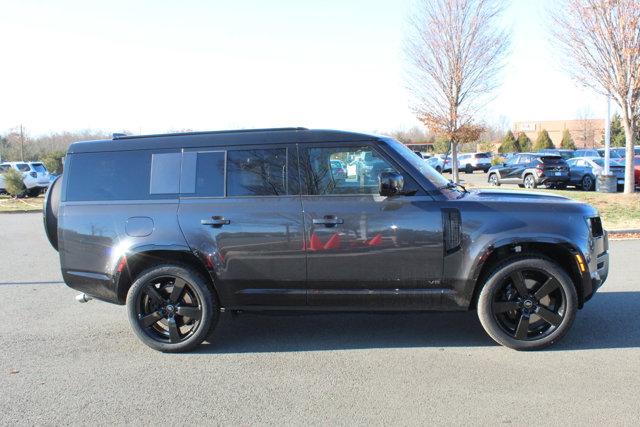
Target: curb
{"x": 21, "y": 212}
{"x": 625, "y": 231}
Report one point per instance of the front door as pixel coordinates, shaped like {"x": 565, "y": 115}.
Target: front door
{"x": 364, "y": 250}
{"x": 241, "y": 213}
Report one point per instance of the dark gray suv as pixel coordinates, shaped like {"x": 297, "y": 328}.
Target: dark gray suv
{"x": 181, "y": 227}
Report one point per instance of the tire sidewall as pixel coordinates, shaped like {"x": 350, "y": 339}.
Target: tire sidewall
{"x": 494, "y": 281}
{"x": 200, "y": 286}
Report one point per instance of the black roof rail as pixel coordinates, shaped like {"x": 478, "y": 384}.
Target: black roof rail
{"x": 214, "y": 132}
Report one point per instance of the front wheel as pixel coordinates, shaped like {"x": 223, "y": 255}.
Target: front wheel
{"x": 493, "y": 180}
{"x": 171, "y": 308}
{"x": 527, "y": 303}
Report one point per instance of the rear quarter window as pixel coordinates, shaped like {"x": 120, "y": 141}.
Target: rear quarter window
{"x": 121, "y": 175}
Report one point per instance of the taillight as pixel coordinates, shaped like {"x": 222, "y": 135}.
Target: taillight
{"x": 539, "y": 167}
{"x": 33, "y": 174}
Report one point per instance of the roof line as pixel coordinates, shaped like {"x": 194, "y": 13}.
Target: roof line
{"x": 212, "y": 132}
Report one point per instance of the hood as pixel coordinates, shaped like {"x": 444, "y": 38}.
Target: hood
{"x": 529, "y": 202}
{"x": 489, "y": 195}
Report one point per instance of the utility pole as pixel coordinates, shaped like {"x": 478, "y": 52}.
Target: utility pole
{"x": 21, "y": 143}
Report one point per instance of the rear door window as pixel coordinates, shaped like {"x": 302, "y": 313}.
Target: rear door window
{"x": 257, "y": 172}
{"x": 23, "y": 167}
{"x": 203, "y": 174}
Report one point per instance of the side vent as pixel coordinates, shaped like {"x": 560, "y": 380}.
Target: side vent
{"x": 452, "y": 230}
{"x": 596, "y": 227}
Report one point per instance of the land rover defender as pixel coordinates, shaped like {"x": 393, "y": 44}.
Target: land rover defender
{"x": 180, "y": 227}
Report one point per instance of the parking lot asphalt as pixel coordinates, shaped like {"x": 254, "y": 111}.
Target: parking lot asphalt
{"x": 68, "y": 363}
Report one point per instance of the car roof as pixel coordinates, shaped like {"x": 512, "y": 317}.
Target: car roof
{"x": 19, "y": 163}
{"x": 219, "y": 138}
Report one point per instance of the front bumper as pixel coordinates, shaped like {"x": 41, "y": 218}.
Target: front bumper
{"x": 598, "y": 267}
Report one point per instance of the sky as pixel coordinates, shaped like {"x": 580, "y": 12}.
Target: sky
{"x": 150, "y": 66}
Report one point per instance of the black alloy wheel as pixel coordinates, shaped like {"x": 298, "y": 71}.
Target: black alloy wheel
{"x": 528, "y": 303}
{"x": 171, "y": 308}
{"x": 587, "y": 183}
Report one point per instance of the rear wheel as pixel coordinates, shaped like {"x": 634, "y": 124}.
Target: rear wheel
{"x": 527, "y": 303}
{"x": 530, "y": 182}
{"x": 438, "y": 169}
{"x": 171, "y": 308}
{"x": 587, "y": 183}
{"x": 468, "y": 168}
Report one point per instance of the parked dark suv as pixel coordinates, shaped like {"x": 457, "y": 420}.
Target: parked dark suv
{"x": 181, "y": 227}
{"x": 530, "y": 170}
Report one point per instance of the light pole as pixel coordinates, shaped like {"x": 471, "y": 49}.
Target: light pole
{"x": 607, "y": 136}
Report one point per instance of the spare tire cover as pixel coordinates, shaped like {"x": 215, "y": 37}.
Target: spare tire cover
{"x": 50, "y": 211}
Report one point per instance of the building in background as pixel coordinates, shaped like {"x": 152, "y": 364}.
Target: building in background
{"x": 586, "y": 133}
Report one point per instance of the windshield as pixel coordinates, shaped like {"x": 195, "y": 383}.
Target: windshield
{"x": 39, "y": 167}
{"x": 425, "y": 169}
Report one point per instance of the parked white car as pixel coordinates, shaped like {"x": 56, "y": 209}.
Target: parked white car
{"x": 470, "y": 162}
{"x": 34, "y": 175}
{"x": 436, "y": 162}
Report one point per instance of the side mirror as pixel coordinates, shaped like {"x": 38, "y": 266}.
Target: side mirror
{"x": 391, "y": 183}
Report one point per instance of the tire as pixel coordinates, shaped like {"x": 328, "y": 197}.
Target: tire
{"x": 50, "y": 211}
{"x": 561, "y": 186}
{"x": 539, "y": 318}
{"x": 159, "y": 318}
{"x": 587, "y": 183}
{"x": 485, "y": 170}
{"x": 34, "y": 192}
{"x": 438, "y": 169}
{"x": 468, "y": 168}
{"x": 529, "y": 182}
{"x": 494, "y": 180}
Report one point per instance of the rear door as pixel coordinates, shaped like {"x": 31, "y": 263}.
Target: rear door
{"x": 241, "y": 212}
{"x": 364, "y": 250}
{"x": 507, "y": 173}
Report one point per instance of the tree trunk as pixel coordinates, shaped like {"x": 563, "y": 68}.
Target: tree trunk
{"x": 629, "y": 130}
{"x": 454, "y": 161}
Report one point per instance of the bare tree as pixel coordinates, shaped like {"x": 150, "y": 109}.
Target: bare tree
{"x": 456, "y": 50}
{"x": 600, "y": 43}
{"x": 587, "y": 132}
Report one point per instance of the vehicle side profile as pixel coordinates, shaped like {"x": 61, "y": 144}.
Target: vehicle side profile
{"x": 181, "y": 227}
{"x": 529, "y": 170}
{"x": 35, "y": 176}
{"x": 583, "y": 172}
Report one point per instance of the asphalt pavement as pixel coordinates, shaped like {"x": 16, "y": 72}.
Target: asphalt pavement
{"x": 68, "y": 363}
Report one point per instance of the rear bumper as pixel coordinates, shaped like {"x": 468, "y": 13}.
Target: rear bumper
{"x": 544, "y": 179}
{"x": 99, "y": 286}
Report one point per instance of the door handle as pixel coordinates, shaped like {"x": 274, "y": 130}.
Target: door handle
{"x": 328, "y": 221}
{"x": 215, "y": 221}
